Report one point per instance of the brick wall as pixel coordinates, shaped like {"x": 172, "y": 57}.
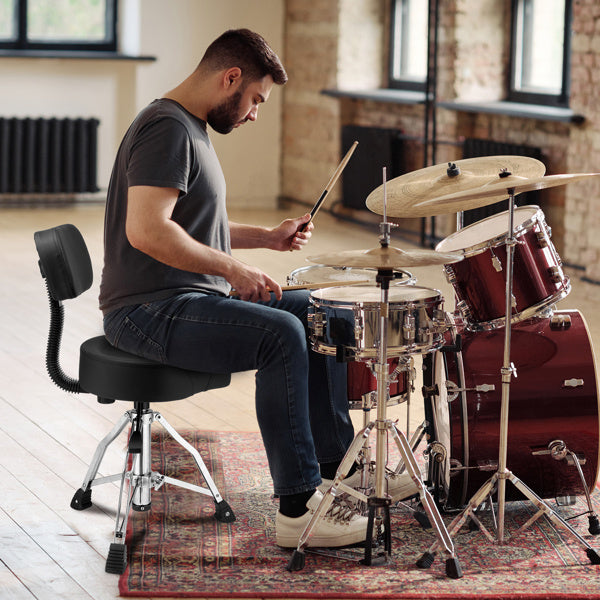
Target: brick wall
{"x": 472, "y": 66}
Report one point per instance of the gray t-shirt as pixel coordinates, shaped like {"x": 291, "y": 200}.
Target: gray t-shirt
{"x": 165, "y": 146}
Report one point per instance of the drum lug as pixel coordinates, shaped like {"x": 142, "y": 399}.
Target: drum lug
{"x": 556, "y": 274}
{"x": 316, "y": 322}
{"x": 464, "y": 310}
{"x": 440, "y": 324}
{"x": 542, "y": 238}
{"x": 496, "y": 261}
{"x": 560, "y": 321}
{"x": 450, "y": 275}
{"x": 408, "y": 328}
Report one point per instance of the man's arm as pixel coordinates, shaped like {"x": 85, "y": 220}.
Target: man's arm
{"x": 286, "y": 236}
{"x": 151, "y": 230}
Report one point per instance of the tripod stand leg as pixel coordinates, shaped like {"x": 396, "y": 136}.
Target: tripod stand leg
{"x": 553, "y": 517}
{"x": 453, "y": 568}
{"x": 296, "y": 562}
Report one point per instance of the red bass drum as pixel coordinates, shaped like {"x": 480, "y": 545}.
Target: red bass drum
{"x": 554, "y": 396}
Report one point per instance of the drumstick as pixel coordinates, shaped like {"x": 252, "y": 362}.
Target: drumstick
{"x": 329, "y": 186}
{"x": 313, "y": 286}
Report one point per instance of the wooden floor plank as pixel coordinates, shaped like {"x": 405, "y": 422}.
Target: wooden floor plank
{"x": 32, "y": 565}
{"x": 48, "y": 436}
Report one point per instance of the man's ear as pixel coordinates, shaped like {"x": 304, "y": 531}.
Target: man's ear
{"x": 232, "y": 77}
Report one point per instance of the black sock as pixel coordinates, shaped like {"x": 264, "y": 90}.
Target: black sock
{"x": 328, "y": 470}
{"x": 294, "y": 505}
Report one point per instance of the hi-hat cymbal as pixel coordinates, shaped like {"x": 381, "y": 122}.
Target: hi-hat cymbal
{"x": 405, "y": 193}
{"x": 386, "y": 258}
{"x": 496, "y": 191}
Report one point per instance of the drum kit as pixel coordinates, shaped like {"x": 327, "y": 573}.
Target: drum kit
{"x": 505, "y": 340}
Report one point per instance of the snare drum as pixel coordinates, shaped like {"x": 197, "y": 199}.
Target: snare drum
{"x": 479, "y": 280}
{"x": 318, "y": 274}
{"x": 553, "y": 397}
{"x": 344, "y": 321}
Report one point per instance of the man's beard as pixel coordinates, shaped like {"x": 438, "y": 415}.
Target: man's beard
{"x": 224, "y": 117}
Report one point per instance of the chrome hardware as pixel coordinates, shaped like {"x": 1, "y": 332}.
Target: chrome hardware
{"x": 496, "y": 261}
{"x": 453, "y": 389}
{"x": 573, "y": 383}
{"x": 408, "y": 328}
{"x": 450, "y": 275}
{"x": 560, "y": 321}
{"x": 558, "y": 450}
{"x": 316, "y": 322}
{"x": 437, "y": 452}
{"x": 542, "y": 239}
{"x": 439, "y": 321}
{"x": 556, "y": 275}
{"x": 464, "y": 310}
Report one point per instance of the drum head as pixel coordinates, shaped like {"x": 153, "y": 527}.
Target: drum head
{"x": 371, "y": 294}
{"x": 487, "y": 230}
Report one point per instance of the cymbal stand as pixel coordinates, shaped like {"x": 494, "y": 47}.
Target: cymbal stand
{"x": 379, "y": 502}
{"x": 502, "y": 475}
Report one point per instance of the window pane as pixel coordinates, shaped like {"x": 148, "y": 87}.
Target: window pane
{"x": 410, "y": 40}
{"x": 542, "y": 31}
{"x": 66, "y": 20}
{"x": 8, "y": 20}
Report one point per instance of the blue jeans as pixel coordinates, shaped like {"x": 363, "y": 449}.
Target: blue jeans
{"x": 301, "y": 396}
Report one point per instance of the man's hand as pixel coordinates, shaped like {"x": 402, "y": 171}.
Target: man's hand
{"x": 252, "y": 284}
{"x": 292, "y": 234}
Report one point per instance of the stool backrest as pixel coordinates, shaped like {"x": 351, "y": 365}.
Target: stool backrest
{"x": 64, "y": 261}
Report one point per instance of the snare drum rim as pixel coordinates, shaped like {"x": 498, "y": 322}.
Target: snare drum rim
{"x": 435, "y": 298}
{"x": 537, "y": 216}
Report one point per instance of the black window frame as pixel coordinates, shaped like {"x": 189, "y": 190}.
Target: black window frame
{"x": 393, "y": 82}
{"x": 557, "y": 100}
{"x": 24, "y": 44}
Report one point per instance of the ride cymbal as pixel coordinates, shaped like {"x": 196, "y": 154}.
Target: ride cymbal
{"x": 406, "y": 193}
{"x": 386, "y": 258}
{"x": 496, "y": 191}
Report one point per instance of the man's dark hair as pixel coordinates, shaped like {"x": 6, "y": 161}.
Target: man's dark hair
{"x": 247, "y": 50}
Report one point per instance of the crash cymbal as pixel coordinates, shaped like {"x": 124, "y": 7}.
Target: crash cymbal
{"x": 496, "y": 191}
{"x": 386, "y": 257}
{"x": 405, "y": 192}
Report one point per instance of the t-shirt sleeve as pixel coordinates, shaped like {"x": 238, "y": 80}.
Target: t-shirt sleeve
{"x": 161, "y": 155}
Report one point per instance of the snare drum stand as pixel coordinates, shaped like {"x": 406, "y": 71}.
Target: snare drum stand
{"x": 502, "y": 475}
{"x": 379, "y": 502}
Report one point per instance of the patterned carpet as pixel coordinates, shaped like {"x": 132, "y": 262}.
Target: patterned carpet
{"x": 179, "y": 550}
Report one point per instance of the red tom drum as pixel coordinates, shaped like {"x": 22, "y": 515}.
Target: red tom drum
{"x": 479, "y": 280}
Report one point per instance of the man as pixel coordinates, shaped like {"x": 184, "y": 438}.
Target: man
{"x": 168, "y": 273}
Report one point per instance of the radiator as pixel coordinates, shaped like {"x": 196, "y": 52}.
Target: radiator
{"x": 48, "y": 155}
{"x": 474, "y": 148}
{"x": 377, "y": 148}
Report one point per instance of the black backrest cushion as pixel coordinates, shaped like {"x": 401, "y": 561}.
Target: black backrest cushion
{"x": 64, "y": 261}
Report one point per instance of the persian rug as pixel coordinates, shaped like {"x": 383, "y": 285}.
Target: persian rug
{"x": 178, "y": 549}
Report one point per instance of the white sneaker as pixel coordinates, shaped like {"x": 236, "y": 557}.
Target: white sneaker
{"x": 341, "y": 525}
{"x": 399, "y": 486}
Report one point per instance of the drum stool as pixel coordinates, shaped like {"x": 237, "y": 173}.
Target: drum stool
{"x": 111, "y": 374}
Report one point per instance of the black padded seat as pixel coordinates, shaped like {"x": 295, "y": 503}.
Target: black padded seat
{"x": 111, "y": 374}
{"x": 108, "y": 372}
